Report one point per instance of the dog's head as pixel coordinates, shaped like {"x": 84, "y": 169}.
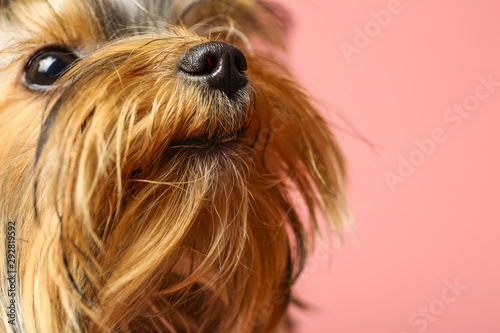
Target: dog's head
{"x": 150, "y": 166}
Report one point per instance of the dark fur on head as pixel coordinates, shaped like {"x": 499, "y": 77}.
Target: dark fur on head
{"x": 146, "y": 203}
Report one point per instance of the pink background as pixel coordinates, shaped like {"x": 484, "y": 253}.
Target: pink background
{"x": 441, "y": 224}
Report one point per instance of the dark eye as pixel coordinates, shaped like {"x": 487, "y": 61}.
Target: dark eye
{"x": 45, "y": 67}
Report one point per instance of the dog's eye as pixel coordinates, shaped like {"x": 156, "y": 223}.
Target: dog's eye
{"x": 45, "y": 67}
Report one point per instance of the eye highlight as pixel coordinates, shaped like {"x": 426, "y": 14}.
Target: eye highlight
{"x": 46, "y": 67}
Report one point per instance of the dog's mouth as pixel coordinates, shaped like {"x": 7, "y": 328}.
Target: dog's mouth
{"x": 206, "y": 141}
{"x": 229, "y": 139}
{"x": 220, "y": 136}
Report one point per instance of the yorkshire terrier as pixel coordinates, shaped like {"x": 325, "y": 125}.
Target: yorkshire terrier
{"x": 160, "y": 170}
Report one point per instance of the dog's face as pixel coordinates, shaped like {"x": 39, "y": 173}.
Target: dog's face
{"x": 147, "y": 167}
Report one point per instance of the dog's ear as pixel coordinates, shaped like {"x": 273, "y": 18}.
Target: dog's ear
{"x": 234, "y": 19}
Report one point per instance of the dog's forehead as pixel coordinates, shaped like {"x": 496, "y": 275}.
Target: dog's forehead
{"x": 111, "y": 17}
{"x": 137, "y": 12}
{"x": 139, "y": 8}
{"x": 132, "y": 9}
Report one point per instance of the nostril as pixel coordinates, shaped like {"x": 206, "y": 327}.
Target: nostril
{"x": 241, "y": 64}
{"x": 211, "y": 64}
{"x": 195, "y": 63}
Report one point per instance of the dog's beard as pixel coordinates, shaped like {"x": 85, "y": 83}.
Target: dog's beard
{"x": 156, "y": 205}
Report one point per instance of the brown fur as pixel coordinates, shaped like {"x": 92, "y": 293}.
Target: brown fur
{"x": 129, "y": 218}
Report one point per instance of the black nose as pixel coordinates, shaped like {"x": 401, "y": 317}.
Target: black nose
{"x": 218, "y": 64}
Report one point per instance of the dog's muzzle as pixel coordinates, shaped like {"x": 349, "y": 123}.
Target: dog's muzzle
{"x": 219, "y": 65}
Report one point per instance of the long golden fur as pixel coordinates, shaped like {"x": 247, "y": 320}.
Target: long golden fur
{"x": 127, "y": 201}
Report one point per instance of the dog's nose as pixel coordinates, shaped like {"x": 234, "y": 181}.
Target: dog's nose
{"x": 218, "y": 64}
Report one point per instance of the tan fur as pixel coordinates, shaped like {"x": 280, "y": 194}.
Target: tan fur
{"x": 125, "y": 222}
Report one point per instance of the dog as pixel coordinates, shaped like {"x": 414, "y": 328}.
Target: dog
{"x": 160, "y": 168}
